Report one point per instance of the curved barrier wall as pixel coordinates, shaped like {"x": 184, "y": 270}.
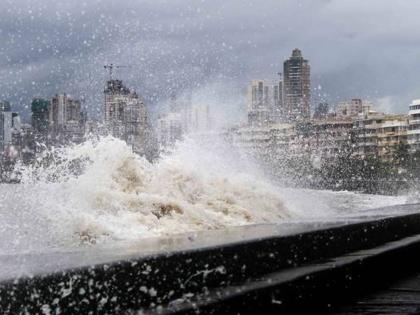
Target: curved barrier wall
{"x": 182, "y": 280}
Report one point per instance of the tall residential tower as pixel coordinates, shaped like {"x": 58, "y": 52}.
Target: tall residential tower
{"x": 66, "y": 121}
{"x": 126, "y": 116}
{"x": 297, "y": 88}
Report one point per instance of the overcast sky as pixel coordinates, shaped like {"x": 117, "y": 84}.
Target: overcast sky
{"x": 356, "y": 48}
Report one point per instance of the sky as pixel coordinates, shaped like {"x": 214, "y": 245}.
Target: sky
{"x": 356, "y": 48}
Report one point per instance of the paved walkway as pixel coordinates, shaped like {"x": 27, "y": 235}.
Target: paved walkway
{"x": 401, "y": 297}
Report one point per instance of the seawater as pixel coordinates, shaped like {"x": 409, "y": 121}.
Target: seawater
{"x": 100, "y": 191}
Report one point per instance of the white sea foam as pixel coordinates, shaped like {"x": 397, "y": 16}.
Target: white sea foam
{"x": 101, "y": 191}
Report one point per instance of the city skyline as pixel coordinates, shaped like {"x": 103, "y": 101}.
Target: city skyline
{"x": 287, "y": 99}
{"x": 173, "y": 46}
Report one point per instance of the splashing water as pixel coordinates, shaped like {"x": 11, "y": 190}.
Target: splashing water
{"x": 101, "y": 191}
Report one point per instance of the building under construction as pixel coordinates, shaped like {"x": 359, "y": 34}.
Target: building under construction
{"x": 126, "y": 116}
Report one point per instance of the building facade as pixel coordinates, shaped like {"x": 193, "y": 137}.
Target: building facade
{"x": 265, "y": 102}
{"x": 126, "y": 116}
{"x": 169, "y": 129}
{"x": 391, "y": 133}
{"x": 183, "y": 117}
{"x": 413, "y": 132}
{"x": 380, "y": 134}
{"x": 197, "y": 118}
{"x": 6, "y": 127}
{"x": 353, "y": 108}
{"x": 297, "y": 87}
{"x": 259, "y": 102}
{"x": 116, "y": 96}
{"x": 10, "y": 132}
{"x": 66, "y": 119}
{"x": 40, "y": 116}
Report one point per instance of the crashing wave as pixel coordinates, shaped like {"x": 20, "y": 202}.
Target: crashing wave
{"x": 101, "y": 190}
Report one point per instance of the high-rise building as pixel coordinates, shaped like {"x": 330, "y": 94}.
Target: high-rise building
{"x": 24, "y": 144}
{"x": 265, "y": 100}
{"x": 40, "y": 116}
{"x": 116, "y": 95}
{"x": 184, "y": 117}
{"x": 57, "y": 112}
{"x": 136, "y": 129}
{"x": 278, "y": 102}
{"x": 9, "y": 129}
{"x": 258, "y": 95}
{"x": 198, "y": 119}
{"x": 169, "y": 129}
{"x": 297, "y": 87}
{"x": 6, "y": 125}
{"x": 126, "y": 116}
{"x": 66, "y": 120}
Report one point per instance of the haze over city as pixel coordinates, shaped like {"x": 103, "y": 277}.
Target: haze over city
{"x": 171, "y": 46}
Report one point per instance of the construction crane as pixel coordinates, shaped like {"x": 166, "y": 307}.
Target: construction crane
{"x": 111, "y": 67}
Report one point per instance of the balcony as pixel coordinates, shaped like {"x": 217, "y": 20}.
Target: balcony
{"x": 413, "y": 132}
